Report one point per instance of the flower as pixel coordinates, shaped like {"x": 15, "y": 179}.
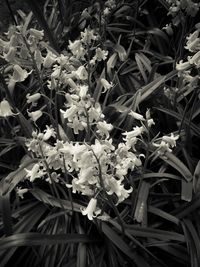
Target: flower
{"x": 34, "y": 173}
{"x": 136, "y": 116}
{"x": 104, "y": 128}
{"x": 49, "y": 59}
{"x": 21, "y": 191}
{"x": 87, "y": 36}
{"x": 81, "y": 73}
{"x": 182, "y": 65}
{"x": 19, "y": 75}
{"x": 106, "y": 84}
{"x": 49, "y": 132}
{"x": 36, "y": 33}
{"x": 33, "y": 98}
{"x": 35, "y": 115}
{"x": 90, "y": 210}
{"x": 5, "y": 109}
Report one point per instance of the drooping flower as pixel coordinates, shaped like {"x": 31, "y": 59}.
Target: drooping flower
{"x": 106, "y": 84}
{"x": 136, "y": 115}
{"x": 34, "y": 173}
{"x": 91, "y": 209}
{"x": 104, "y": 128}
{"x": 35, "y": 115}
{"x": 21, "y": 191}
{"x": 5, "y": 109}
{"x": 33, "y": 98}
{"x": 81, "y": 73}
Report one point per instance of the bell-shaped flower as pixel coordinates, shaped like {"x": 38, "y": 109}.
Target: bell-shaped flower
{"x": 104, "y": 128}
{"x": 136, "y": 115}
{"x": 10, "y": 56}
{"x": 81, "y": 73}
{"x": 88, "y": 36}
{"x": 49, "y": 60}
{"x": 21, "y": 191}
{"x": 35, "y": 115}
{"x": 36, "y": 33}
{"x": 34, "y": 173}
{"x": 5, "y": 109}
{"x": 32, "y": 98}
{"x": 91, "y": 209}
{"x": 106, "y": 84}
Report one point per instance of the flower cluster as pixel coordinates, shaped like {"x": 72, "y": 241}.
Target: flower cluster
{"x": 191, "y": 8}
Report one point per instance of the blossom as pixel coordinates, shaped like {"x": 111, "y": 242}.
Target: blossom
{"x": 10, "y": 56}
{"x": 81, "y": 73}
{"x": 106, "y": 84}
{"x": 33, "y": 98}
{"x": 5, "y": 109}
{"x": 49, "y": 60}
{"x": 21, "y": 191}
{"x": 182, "y": 65}
{"x": 104, "y": 128}
{"x": 35, "y": 115}
{"x": 48, "y": 133}
{"x": 87, "y": 36}
{"x": 136, "y": 116}
{"x": 19, "y": 75}
{"x": 77, "y": 48}
{"x": 36, "y": 33}
{"x": 171, "y": 140}
{"x": 34, "y": 173}
{"x": 99, "y": 55}
{"x": 91, "y": 209}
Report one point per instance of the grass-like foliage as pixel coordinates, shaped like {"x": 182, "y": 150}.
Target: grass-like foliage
{"x": 99, "y": 134}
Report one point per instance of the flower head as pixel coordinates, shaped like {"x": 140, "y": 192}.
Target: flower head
{"x": 5, "y": 109}
{"x": 91, "y": 209}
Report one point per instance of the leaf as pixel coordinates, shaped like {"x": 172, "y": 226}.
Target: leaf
{"x": 173, "y": 161}
{"x": 37, "y": 239}
{"x": 10, "y": 182}
{"x": 197, "y": 178}
{"x": 174, "y": 114}
{"x": 141, "y": 207}
{"x": 165, "y": 215}
{"x": 150, "y": 88}
{"x": 35, "y": 8}
{"x": 54, "y": 202}
{"x": 186, "y": 190}
{"x": 119, "y": 242}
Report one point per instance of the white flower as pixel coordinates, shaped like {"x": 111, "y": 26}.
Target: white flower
{"x": 81, "y": 73}
{"x": 36, "y": 33}
{"x": 136, "y": 132}
{"x": 34, "y": 172}
{"x": 21, "y": 191}
{"x": 104, "y": 128}
{"x": 70, "y": 112}
{"x": 99, "y": 55}
{"x": 33, "y": 98}
{"x": 182, "y": 65}
{"x": 49, "y": 60}
{"x": 171, "y": 140}
{"x": 48, "y": 133}
{"x": 77, "y": 48}
{"x": 91, "y": 209}
{"x": 136, "y": 116}
{"x": 83, "y": 89}
{"x": 10, "y": 56}
{"x": 87, "y": 36}
{"x": 5, "y": 109}
{"x": 106, "y": 84}
{"x": 35, "y": 115}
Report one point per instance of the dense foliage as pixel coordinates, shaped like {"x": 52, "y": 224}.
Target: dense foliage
{"x": 99, "y": 134}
